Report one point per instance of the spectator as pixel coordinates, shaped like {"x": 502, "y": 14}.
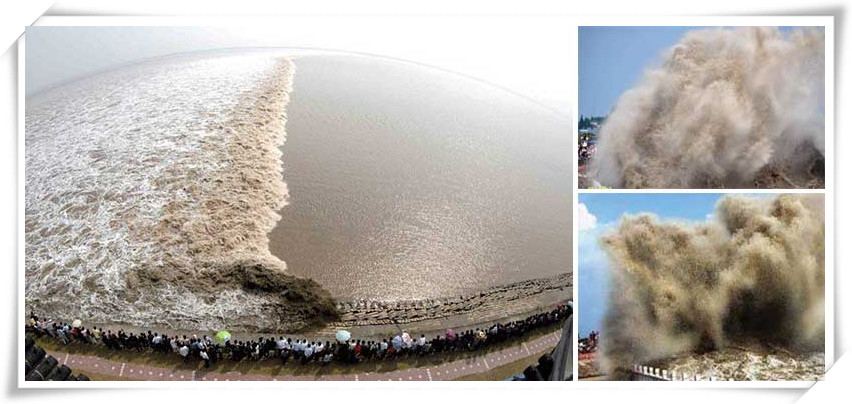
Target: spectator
{"x": 353, "y": 351}
{"x": 184, "y": 352}
{"x": 206, "y": 358}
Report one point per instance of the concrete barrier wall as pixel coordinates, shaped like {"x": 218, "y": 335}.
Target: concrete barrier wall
{"x": 650, "y": 373}
{"x": 587, "y": 356}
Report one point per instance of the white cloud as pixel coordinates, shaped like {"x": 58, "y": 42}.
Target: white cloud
{"x": 585, "y": 220}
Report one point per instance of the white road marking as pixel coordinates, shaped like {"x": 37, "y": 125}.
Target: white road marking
{"x": 527, "y": 347}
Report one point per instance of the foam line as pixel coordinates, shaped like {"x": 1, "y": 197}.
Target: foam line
{"x": 151, "y": 191}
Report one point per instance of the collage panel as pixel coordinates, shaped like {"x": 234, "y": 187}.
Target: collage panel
{"x": 701, "y": 287}
{"x": 683, "y": 107}
{"x": 220, "y": 205}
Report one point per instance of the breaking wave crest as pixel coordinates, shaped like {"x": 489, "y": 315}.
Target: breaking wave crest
{"x": 728, "y": 108}
{"x": 753, "y": 274}
{"x": 150, "y": 191}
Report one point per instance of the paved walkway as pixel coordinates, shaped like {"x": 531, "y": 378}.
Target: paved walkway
{"x": 446, "y": 371}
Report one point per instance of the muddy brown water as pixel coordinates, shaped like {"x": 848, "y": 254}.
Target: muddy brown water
{"x": 407, "y": 182}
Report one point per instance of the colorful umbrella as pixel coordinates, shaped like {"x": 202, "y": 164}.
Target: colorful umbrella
{"x": 342, "y": 335}
{"x": 222, "y": 336}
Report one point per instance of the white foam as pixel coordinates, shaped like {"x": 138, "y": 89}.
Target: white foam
{"x": 145, "y": 169}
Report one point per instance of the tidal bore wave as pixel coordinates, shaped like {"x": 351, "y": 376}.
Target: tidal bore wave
{"x": 751, "y": 276}
{"x": 150, "y": 191}
{"x": 728, "y": 108}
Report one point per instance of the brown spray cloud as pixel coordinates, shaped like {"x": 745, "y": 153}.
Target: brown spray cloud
{"x": 727, "y": 108}
{"x": 752, "y": 273}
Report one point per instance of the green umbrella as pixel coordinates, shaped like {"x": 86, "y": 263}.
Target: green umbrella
{"x": 222, "y": 336}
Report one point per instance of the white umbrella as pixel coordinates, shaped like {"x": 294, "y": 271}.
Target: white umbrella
{"x": 76, "y": 323}
{"x": 342, "y": 335}
{"x": 406, "y": 338}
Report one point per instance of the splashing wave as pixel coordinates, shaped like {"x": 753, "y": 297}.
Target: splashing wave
{"x": 728, "y": 108}
{"x": 755, "y": 273}
{"x": 150, "y": 191}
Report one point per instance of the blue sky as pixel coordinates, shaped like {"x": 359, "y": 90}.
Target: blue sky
{"x": 612, "y": 60}
{"x": 605, "y": 211}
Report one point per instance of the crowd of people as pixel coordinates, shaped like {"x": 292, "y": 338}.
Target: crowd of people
{"x": 586, "y": 147}
{"x": 538, "y": 372}
{"x": 588, "y": 127}
{"x": 301, "y": 350}
{"x": 588, "y": 344}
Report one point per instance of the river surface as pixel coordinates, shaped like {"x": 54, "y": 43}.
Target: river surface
{"x": 408, "y": 182}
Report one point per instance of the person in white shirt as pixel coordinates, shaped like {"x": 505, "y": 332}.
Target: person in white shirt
{"x": 309, "y": 351}
{"x": 206, "y": 358}
{"x": 285, "y": 351}
{"x": 184, "y": 352}
{"x": 420, "y": 344}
